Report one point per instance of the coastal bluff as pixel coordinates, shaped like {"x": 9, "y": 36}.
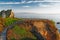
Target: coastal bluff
{"x": 33, "y": 27}
{"x": 25, "y": 28}
{"x": 46, "y": 28}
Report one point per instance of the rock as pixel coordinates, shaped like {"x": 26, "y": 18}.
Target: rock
{"x": 2, "y": 24}
{"x": 42, "y": 29}
{"x": 11, "y": 15}
{"x": 1, "y": 28}
{"x": 46, "y": 28}
{"x": 37, "y": 34}
{"x": 6, "y": 14}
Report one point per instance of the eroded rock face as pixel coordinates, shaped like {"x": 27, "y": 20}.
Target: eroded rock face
{"x": 1, "y": 27}
{"x": 46, "y": 28}
{"x": 1, "y": 24}
{"x": 11, "y": 15}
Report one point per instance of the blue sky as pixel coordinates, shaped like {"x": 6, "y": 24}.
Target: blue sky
{"x": 36, "y": 7}
{"x": 32, "y": 6}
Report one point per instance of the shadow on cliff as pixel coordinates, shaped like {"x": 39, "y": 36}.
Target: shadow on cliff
{"x": 26, "y": 38}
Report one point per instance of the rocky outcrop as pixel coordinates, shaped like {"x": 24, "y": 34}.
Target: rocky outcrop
{"x": 7, "y": 13}
{"x": 11, "y": 15}
{"x": 46, "y": 28}
{"x": 1, "y": 27}
{"x": 2, "y": 24}
{"x": 42, "y": 29}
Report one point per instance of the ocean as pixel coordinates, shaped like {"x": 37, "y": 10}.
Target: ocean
{"x": 58, "y": 26}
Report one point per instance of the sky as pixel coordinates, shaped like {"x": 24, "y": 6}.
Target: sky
{"x": 31, "y": 6}
{"x": 48, "y": 9}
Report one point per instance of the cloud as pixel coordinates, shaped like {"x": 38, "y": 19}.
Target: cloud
{"x": 42, "y": 8}
{"x": 29, "y": 1}
{"x": 52, "y": 0}
{"x": 10, "y": 3}
{"x": 38, "y": 1}
{"x": 26, "y": 6}
{"x": 25, "y": 2}
{"x": 51, "y": 8}
{"x": 46, "y": 4}
{"x": 49, "y": 4}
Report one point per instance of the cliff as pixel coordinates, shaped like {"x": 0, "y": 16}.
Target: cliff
{"x": 46, "y": 28}
{"x": 30, "y": 28}
{"x": 2, "y": 24}
{"x": 12, "y": 14}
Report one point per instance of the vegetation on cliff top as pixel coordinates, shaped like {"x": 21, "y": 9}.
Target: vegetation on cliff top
{"x": 18, "y": 31}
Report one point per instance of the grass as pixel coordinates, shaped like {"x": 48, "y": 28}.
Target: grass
{"x": 23, "y": 33}
{"x": 18, "y": 30}
{"x": 9, "y": 21}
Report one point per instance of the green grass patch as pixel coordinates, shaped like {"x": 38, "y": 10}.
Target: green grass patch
{"x": 18, "y": 30}
{"x": 13, "y": 38}
{"x": 9, "y": 21}
{"x": 22, "y": 32}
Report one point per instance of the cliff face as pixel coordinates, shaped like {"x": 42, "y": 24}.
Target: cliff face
{"x": 2, "y": 24}
{"x": 35, "y": 27}
{"x": 30, "y": 28}
{"x": 46, "y": 28}
{"x": 11, "y": 15}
